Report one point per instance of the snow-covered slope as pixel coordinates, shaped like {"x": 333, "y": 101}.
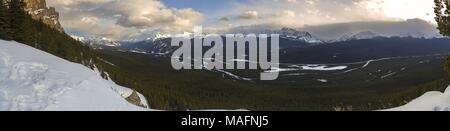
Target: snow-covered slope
{"x": 431, "y": 101}
{"x": 31, "y": 79}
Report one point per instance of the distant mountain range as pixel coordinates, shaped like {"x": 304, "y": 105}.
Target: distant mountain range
{"x": 289, "y": 37}
{"x": 97, "y": 41}
{"x": 416, "y": 28}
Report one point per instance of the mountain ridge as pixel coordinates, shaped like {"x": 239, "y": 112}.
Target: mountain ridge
{"x": 39, "y": 11}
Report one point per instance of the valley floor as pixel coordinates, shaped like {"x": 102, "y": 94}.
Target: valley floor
{"x": 35, "y": 80}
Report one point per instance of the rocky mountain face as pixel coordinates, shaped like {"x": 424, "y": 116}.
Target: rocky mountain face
{"x": 38, "y": 10}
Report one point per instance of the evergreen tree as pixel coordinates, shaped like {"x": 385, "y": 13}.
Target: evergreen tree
{"x": 442, "y": 11}
{"x": 16, "y": 14}
{"x": 447, "y": 65}
{"x": 4, "y": 26}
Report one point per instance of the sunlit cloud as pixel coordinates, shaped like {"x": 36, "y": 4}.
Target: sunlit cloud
{"x": 123, "y": 19}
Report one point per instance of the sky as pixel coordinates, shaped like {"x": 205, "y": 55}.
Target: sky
{"x": 127, "y": 19}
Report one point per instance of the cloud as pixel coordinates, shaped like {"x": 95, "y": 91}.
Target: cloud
{"x": 150, "y": 13}
{"x": 386, "y": 28}
{"x": 298, "y": 13}
{"x": 249, "y": 15}
{"x": 75, "y": 2}
{"x": 292, "y": 1}
{"x": 282, "y": 18}
{"x": 122, "y": 19}
{"x": 224, "y": 19}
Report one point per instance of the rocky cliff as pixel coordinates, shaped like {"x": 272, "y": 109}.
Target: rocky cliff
{"x": 39, "y": 11}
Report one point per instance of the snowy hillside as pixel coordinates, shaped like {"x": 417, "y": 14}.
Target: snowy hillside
{"x": 431, "y": 101}
{"x": 31, "y": 79}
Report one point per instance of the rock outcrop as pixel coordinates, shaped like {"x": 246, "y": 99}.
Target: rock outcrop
{"x": 39, "y": 11}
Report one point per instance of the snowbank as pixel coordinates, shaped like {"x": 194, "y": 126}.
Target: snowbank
{"x": 31, "y": 79}
{"x": 431, "y": 101}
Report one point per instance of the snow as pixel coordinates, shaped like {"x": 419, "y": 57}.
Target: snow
{"x": 323, "y": 68}
{"x": 97, "y": 41}
{"x": 293, "y": 34}
{"x": 382, "y": 59}
{"x": 143, "y": 100}
{"x": 233, "y": 75}
{"x": 431, "y": 101}
{"x": 390, "y": 74}
{"x": 35, "y": 80}
{"x": 367, "y": 63}
{"x": 139, "y": 52}
{"x": 275, "y": 69}
{"x": 294, "y": 74}
{"x": 105, "y": 61}
{"x": 161, "y": 36}
{"x": 322, "y": 80}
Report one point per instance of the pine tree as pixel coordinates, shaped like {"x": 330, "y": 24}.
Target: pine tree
{"x": 447, "y": 65}
{"x": 4, "y": 26}
{"x": 17, "y": 15}
{"x": 442, "y": 11}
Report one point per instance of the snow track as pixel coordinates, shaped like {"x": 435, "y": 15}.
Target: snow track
{"x": 24, "y": 86}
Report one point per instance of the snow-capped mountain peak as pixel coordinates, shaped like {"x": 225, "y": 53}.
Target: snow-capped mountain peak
{"x": 160, "y": 36}
{"x": 293, "y": 34}
{"x": 97, "y": 41}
